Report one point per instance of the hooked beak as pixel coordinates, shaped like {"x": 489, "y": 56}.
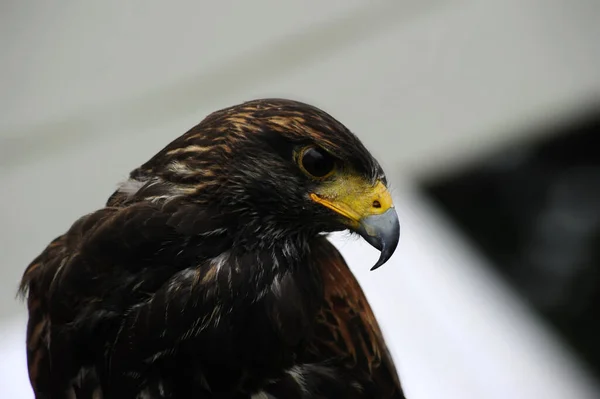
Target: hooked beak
{"x": 382, "y": 232}
{"x": 369, "y": 211}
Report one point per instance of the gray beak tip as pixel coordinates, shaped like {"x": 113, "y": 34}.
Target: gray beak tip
{"x": 382, "y": 232}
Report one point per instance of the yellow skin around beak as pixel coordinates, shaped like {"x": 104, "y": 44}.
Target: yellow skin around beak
{"x": 354, "y": 198}
{"x": 367, "y": 209}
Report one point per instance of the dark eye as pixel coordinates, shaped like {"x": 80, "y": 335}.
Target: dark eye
{"x": 316, "y": 162}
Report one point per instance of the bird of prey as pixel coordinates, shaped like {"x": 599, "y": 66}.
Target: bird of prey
{"x": 209, "y": 273}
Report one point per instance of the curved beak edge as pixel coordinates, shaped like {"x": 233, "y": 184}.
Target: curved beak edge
{"x": 382, "y": 232}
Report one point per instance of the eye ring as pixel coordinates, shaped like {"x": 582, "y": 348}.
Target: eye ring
{"x": 316, "y": 162}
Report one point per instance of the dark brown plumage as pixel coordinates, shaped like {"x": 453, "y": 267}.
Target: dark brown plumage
{"x": 206, "y": 275}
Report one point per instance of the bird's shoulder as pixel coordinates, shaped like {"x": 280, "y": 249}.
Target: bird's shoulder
{"x": 347, "y": 330}
{"x": 106, "y": 262}
{"x": 119, "y": 242}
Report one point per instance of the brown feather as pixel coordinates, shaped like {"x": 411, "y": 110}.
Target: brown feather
{"x": 38, "y": 326}
{"x": 347, "y": 327}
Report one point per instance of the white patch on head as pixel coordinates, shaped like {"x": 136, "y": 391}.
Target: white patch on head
{"x": 159, "y": 198}
{"x": 130, "y": 187}
{"x": 181, "y": 168}
{"x": 260, "y": 395}
{"x": 170, "y": 191}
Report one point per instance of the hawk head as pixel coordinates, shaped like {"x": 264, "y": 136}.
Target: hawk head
{"x": 271, "y": 171}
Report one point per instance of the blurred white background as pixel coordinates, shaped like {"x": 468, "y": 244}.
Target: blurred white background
{"x": 90, "y": 90}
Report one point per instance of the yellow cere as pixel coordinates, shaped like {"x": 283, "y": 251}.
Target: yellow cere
{"x": 353, "y": 197}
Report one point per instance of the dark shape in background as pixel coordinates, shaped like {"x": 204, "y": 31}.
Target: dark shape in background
{"x": 534, "y": 210}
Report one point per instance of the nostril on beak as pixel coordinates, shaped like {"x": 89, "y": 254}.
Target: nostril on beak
{"x": 376, "y": 204}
